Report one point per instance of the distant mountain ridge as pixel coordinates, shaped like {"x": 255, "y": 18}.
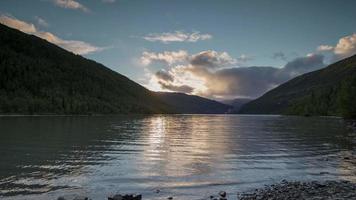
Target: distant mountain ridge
{"x": 191, "y": 104}
{"x": 38, "y": 77}
{"x": 328, "y": 91}
{"x": 236, "y": 104}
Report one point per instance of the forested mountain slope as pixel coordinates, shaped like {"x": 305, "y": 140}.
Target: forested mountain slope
{"x": 38, "y": 77}
{"x": 328, "y": 91}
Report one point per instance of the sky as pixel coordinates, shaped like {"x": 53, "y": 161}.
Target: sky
{"x": 216, "y": 49}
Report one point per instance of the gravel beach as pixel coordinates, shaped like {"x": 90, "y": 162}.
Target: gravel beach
{"x": 340, "y": 190}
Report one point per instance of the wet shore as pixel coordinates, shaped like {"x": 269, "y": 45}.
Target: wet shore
{"x": 285, "y": 190}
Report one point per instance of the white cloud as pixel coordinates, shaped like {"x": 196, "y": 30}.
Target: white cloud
{"x": 212, "y": 59}
{"x": 75, "y": 46}
{"x": 40, "y": 21}
{"x": 71, "y": 4}
{"x": 325, "y": 48}
{"x": 18, "y": 24}
{"x": 166, "y": 57}
{"x": 244, "y": 58}
{"x": 177, "y": 36}
{"x": 344, "y": 48}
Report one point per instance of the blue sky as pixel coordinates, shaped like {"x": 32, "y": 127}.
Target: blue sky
{"x": 251, "y": 32}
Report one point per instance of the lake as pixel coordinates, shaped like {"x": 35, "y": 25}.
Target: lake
{"x": 185, "y": 156}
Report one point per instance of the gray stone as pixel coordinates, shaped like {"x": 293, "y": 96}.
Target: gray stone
{"x": 115, "y": 197}
{"x": 125, "y": 197}
{"x": 222, "y": 193}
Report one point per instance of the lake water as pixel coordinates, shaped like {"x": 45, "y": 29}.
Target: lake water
{"x": 185, "y": 156}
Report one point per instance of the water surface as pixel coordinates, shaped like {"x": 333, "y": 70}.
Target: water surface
{"x": 186, "y": 156}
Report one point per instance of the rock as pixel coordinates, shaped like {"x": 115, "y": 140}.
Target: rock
{"x": 125, "y": 197}
{"x": 323, "y": 173}
{"x": 158, "y": 191}
{"x": 132, "y": 197}
{"x": 170, "y": 198}
{"x": 222, "y": 193}
{"x": 115, "y": 197}
{"x": 80, "y": 198}
{"x": 61, "y": 198}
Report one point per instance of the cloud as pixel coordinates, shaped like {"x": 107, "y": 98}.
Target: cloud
{"x": 71, "y": 4}
{"x": 279, "y": 55}
{"x": 167, "y": 57}
{"x": 78, "y": 47}
{"x": 176, "y": 88}
{"x": 302, "y": 65}
{"x": 218, "y": 75}
{"x": 177, "y": 36}
{"x": 212, "y": 59}
{"x": 241, "y": 82}
{"x": 325, "y": 48}
{"x": 40, "y": 21}
{"x": 215, "y": 75}
{"x": 346, "y": 47}
{"x": 252, "y": 81}
{"x": 17, "y": 24}
{"x": 244, "y": 58}
{"x": 165, "y": 76}
{"x": 167, "y": 82}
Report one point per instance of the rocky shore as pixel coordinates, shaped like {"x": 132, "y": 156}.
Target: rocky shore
{"x": 328, "y": 190}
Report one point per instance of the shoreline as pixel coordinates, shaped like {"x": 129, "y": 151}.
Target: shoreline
{"x": 284, "y": 190}
{"x": 296, "y": 190}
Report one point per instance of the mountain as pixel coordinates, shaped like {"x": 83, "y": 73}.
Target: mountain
{"x": 236, "y": 104}
{"x": 38, "y": 77}
{"x": 191, "y": 104}
{"x": 328, "y": 91}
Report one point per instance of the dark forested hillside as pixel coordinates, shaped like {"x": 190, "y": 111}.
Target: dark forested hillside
{"x": 329, "y": 91}
{"x": 39, "y": 77}
{"x": 191, "y": 104}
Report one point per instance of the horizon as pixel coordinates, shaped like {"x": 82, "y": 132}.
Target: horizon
{"x": 242, "y": 55}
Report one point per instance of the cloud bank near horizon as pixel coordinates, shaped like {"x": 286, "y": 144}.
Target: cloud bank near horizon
{"x": 215, "y": 74}
{"x": 220, "y": 76}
